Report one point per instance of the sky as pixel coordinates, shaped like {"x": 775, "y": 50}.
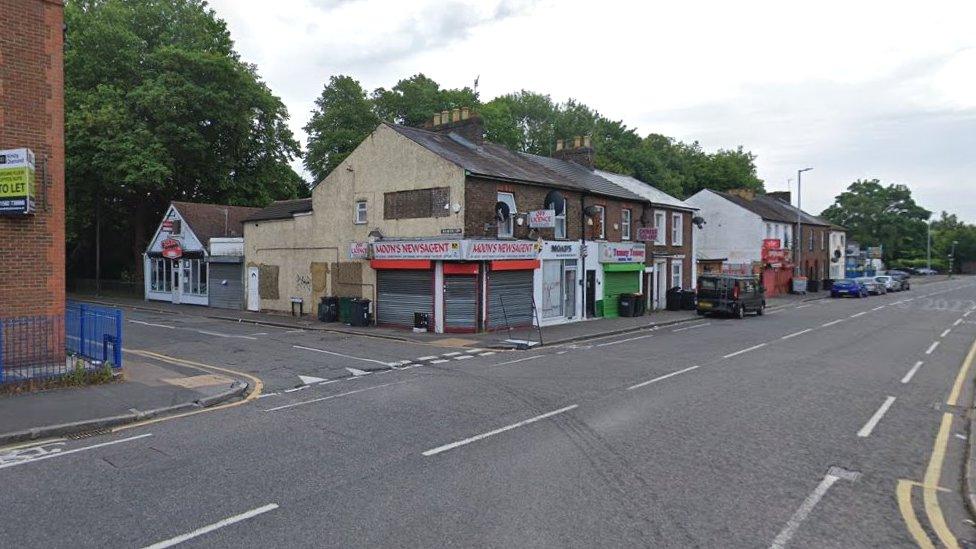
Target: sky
{"x": 854, "y": 90}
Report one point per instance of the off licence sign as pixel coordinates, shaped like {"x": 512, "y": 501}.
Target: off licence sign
{"x": 542, "y": 219}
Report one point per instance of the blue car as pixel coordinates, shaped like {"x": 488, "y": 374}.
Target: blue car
{"x": 847, "y": 286}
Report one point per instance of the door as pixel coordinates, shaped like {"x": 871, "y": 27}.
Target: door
{"x": 253, "y": 295}
{"x": 660, "y": 284}
{"x": 590, "y": 293}
{"x": 177, "y": 273}
{"x": 461, "y": 303}
{"x": 510, "y": 299}
{"x": 569, "y": 292}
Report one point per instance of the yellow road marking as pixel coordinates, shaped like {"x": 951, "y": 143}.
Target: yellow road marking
{"x": 960, "y": 379}
{"x": 932, "y": 476}
{"x": 904, "y": 493}
{"x": 255, "y": 381}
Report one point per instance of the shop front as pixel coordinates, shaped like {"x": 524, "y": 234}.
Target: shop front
{"x": 558, "y": 283}
{"x": 623, "y": 265}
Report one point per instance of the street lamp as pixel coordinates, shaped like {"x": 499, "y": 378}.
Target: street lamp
{"x": 799, "y": 230}
{"x": 952, "y": 256}
{"x": 928, "y": 246}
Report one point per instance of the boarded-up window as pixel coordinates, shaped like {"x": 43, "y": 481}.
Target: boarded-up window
{"x": 347, "y": 279}
{"x": 268, "y": 285}
{"x": 434, "y": 202}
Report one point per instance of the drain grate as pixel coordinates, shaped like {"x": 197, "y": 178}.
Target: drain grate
{"x": 88, "y": 434}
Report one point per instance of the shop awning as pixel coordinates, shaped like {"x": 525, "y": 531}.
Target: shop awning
{"x": 618, "y": 267}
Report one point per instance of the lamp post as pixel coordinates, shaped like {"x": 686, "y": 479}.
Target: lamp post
{"x": 799, "y": 229}
{"x": 928, "y": 245}
{"x": 952, "y": 256}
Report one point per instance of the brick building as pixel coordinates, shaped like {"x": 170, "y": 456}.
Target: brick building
{"x": 32, "y": 117}
{"x": 440, "y": 222}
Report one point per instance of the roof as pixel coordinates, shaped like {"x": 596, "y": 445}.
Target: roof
{"x": 213, "y": 220}
{"x": 645, "y": 190}
{"x": 495, "y": 161}
{"x": 772, "y": 209}
{"x": 281, "y": 209}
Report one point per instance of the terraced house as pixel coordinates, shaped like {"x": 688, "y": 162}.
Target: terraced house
{"x": 441, "y": 228}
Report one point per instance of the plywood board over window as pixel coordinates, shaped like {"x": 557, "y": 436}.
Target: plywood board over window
{"x": 417, "y": 203}
{"x": 320, "y": 273}
{"x": 268, "y": 282}
{"x": 347, "y": 279}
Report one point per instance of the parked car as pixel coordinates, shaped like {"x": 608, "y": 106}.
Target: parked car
{"x": 896, "y": 272}
{"x": 730, "y": 294}
{"x": 873, "y": 286}
{"x": 848, "y": 286}
{"x": 890, "y": 283}
{"x": 902, "y": 279}
{"x": 923, "y": 271}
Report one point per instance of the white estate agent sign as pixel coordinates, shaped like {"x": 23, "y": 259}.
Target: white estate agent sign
{"x": 542, "y": 219}
{"x": 622, "y": 252}
{"x": 17, "y": 187}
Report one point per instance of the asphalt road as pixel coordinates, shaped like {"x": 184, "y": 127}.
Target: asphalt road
{"x": 795, "y": 429}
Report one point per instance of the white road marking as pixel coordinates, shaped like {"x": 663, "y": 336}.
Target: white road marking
{"x": 794, "y": 334}
{"x": 909, "y": 299}
{"x": 489, "y": 353}
{"x": 803, "y": 512}
{"x": 439, "y": 361}
{"x": 455, "y": 353}
{"x": 463, "y": 357}
{"x": 957, "y": 322}
{"x": 691, "y": 327}
{"x": 483, "y": 436}
{"x": 292, "y": 390}
{"x": 310, "y": 379}
{"x": 330, "y": 397}
{"x": 266, "y": 395}
{"x": 259, "y": 334}
{"x": 908, "y": 376}
{"x": 932, "y": 347}
{"x": 298, "y": 331}
{"x": 474, "y": 351}
{"x": 219, "y": 334}
{"x": 423, "y": 358}
{"x": 313, "y": 349}
{"x": 967, "y": 313}
{"x": 59, "y": 452}
{"x": 401, "y": 363}
{"x": 151, "y": 324}
{"x": 862, "y": 313}
{"x": 357, "y": 372}
{"x": 561, "y": 352}
{"x": 881, "y": 307}
{"x": 623, "y": 340}
{"x": 519, "y": 360}
{"x": 961, "y": 437}
{"x": 831, "y": 323}
{"x": 215, "y": 526}
{"x": 870, "y": 425}
{"x": 946, "y": 332}
{"x": 753, "y": 348}
{"x": 665, "y": 376}
{"x": 803, "y": 306}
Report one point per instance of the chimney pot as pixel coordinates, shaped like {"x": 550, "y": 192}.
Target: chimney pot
{"x": 437, "y": 119}
{"x": 559, "y": 144}
{"x": 586, "y": 141}
{"x": 465, "y": 113}
{"x": 445, "y": 116}
{"x": 577, "y": 141}
{"x": 455, "y": 114}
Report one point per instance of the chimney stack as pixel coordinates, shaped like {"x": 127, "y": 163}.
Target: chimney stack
{"x": 747, "y": 194}
{"x": 461, "y": 121}
{"x": 582, "y": 152}
{"x": 781, "y": 195}
{"x": 559, "y": 144}
{"x": 465, "y": 113}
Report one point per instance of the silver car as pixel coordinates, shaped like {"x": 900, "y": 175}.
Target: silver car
{"x": 873, "y": 286}
{"x": 891, "y": 284}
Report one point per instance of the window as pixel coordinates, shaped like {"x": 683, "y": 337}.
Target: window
{"x": 659, "y": 225}
{"x": 769, "y": 230}
{"x": 823, "y": 240}
{"x": 560, "y": 230}
{"x": 625, "y": 224}
{"x": 195, "y": 276}
{"x": 417, "y": 203}
{"x": 160, "y": 274}
{"x": 506, "y": 228}
{"x": 676, "y": 274}
{"x": 811, "y": 237}
{"x": 599, "y": 220}
{"x": 360, "y": 213}
{"x": 677, "y": 226}
{"x": 788, "y": 239}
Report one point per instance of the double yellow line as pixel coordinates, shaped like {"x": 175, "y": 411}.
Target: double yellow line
{"x": 933, "y": 473}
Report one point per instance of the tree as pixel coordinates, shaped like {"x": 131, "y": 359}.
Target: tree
{"x": 522, "y": 121}
{"x": 159, "y": 107}
{"x": 878, "y": 215}
{"x": 342, "y": 118}
{"x": 413, "y": 101}
{"x": 948, "y": 229}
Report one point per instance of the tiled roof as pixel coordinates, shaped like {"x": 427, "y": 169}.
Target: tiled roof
{"x": 213, "y": 220}
{"x": 281, "y": 209}
{"x": 585, "y": 178}
{"x": 645, "y": 190}
{"x": 772, "y": 209}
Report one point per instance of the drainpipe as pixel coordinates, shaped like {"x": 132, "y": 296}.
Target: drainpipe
{"x": 583, "y": 251}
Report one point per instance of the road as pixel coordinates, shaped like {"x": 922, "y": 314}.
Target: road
{"x": 838, "y": 423}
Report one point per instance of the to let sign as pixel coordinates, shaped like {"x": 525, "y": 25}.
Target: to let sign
{"x": 647, "y": 234}
{"x": 17, "y": 187}
{"x": 542, "y": 219}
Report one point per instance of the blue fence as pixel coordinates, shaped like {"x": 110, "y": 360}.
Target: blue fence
{"x": 36, "y": 347}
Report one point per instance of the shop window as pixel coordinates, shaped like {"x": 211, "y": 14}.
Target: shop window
{"x": 361, "y": 217}
{"x": 676, "y": 274}
{"x": 659, "y": 224}
{"x": 677, "y": 226}
{"x": 506, "y": 228}
{"x": 552, "y": 289}
{"x": 160, "y": 275}
{"x": 625, "y": 224}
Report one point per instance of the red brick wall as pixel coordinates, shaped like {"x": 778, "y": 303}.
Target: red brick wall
{"x": 32, "y": 116}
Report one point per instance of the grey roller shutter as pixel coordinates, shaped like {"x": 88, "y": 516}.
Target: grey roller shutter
{"x": 226, "y": 285}
{"x": 509, "y": 299}
{"x": 461, "y": 302}
{"x": 400, "y": 294}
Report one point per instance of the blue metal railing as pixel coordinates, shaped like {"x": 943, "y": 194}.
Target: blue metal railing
{"x": 35, "y": 347}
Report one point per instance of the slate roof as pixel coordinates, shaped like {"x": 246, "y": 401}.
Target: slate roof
{"x": 281, "y": 209}
{"x": 213, "y": 220}
{"x": 772, "y": 209}
{"x": 645, "y": 190}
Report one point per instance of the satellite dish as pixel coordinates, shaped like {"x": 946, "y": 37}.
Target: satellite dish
{"x": 590, "y": 211}
{"x": 555, "y": 201}
{"x": 836, "y": 254}
{"x": 502, "y": 211}
{"x": 699, "y": 221}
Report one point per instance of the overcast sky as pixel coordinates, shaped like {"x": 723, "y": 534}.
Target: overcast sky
{"x": 853, "y": 89}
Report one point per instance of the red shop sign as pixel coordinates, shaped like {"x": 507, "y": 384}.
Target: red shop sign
{"x": 172, "y": 248}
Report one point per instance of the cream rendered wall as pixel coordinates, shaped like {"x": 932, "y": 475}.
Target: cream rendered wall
{"x": 385, "y": 161}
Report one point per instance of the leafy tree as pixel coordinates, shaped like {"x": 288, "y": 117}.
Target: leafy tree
{"x": 342, "y": 118}
{"x": 413, "y": 101}
{"x": 522, "y": 121}
{"x": 948, "y": 229}
{"x": 878, "y": 215}
{"x": 159, "y": 106}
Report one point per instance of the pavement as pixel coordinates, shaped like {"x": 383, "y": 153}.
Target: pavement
{"x": 828, "y": 423}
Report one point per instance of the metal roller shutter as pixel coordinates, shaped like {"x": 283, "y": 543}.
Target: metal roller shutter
{"x": 461, "y": 303}
{"x": 226, "y": 286}
{"x": 509, "y": 299}
{"x": 615, "y": 284}
{"x": 402, "y": 293}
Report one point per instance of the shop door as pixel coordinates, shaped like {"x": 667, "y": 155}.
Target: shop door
{"x": 509, "y": 299}
{"x": 460, "y": 303}
{"x": 400, "y": 294}
{"x": 615, "y": 284}
{"x": 590, "y": 294}
{"x": 177, "y": 273}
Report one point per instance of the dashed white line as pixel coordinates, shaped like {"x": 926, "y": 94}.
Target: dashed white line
{"x": 423, "y": 358}
{"x": 878, "y": 308}
{"x": 59, "y": 453}
{"x": 862, "y": 313}
{"x": 967, "y": 313}
{"x": 474, "y": 351}
{"x": 692, "y": 327}
{"x": 803, "y": 306}
{"x": 946, "y": 332}
{"x": 827, "y": 324}
{"x": 330, "y": 397}
{"x": 805, "y": 509}
{"x": 219, "y": 334}
{"x": 483, "y": 436}
{"x": 794, "y": 334}
{"x": 870, "y": 425}
{"x": 313, "y": 349}
{"x": 911, "y": 373}
{"x": 932, "y": 347}
{"x": 753, "y": 348}
{"x": 957, "y": 322}
{"x": 623, "y": 340}
{"x": 463, "y": 357}
{"x": 215, "y": 526}
{"x": 151, "y": 324}
{"x": 455, "y": 353}
{"x": 489, "y": 353}
{"x": 665, "y": 376}
{"x": 519, "y": 360}
{"x": 439, "y": 361}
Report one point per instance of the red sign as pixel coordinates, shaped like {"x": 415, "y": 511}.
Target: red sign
{"x": 772, "y": 244}
{"x": 172, "y": 248}
{"x": 647, "y": 234}
{"x": 168, "y": 225}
